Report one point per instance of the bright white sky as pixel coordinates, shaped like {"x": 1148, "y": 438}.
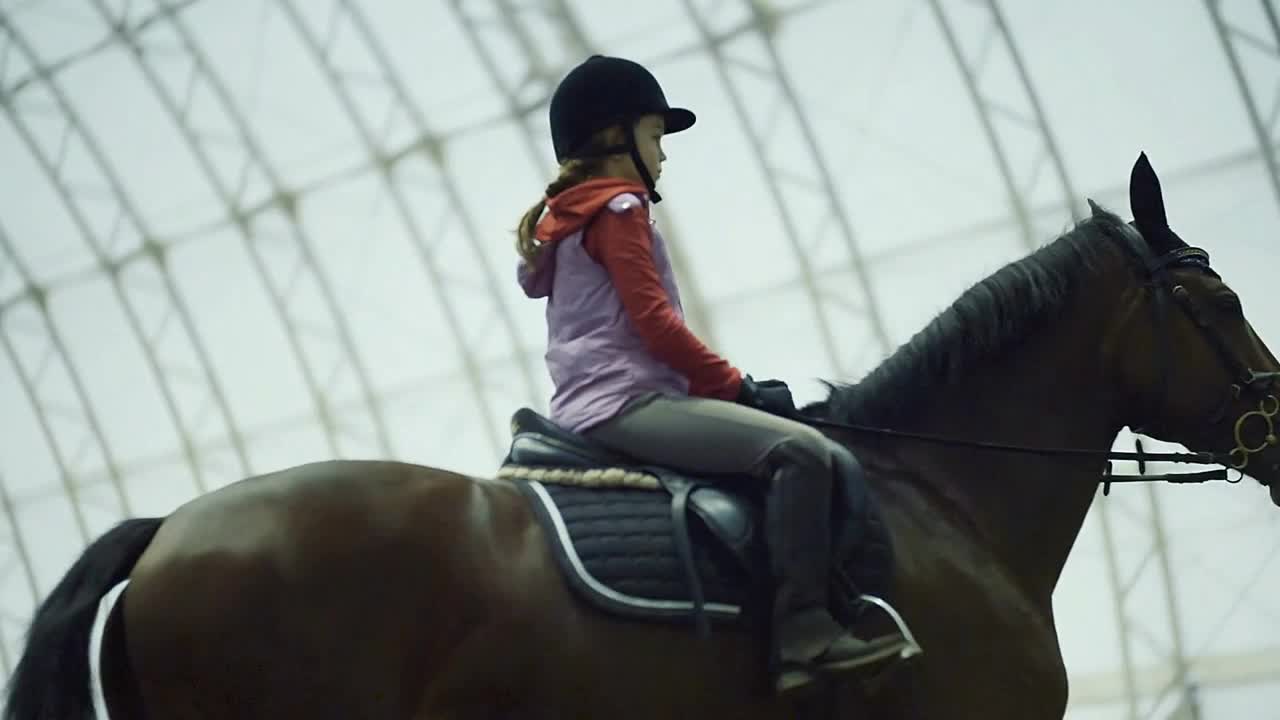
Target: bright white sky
{"x": 908, "y": 159}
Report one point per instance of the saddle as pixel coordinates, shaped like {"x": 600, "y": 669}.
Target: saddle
{"x": 649, "y": 542}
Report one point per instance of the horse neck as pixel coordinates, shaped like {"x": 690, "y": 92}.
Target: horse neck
{"x": 1052, "y": 391}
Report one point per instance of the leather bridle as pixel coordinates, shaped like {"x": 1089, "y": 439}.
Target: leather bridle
{"x": 1246, "y": 382}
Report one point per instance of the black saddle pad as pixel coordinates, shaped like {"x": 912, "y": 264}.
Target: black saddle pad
{"x": 617, "y": 548}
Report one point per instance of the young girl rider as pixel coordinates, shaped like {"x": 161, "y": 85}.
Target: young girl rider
{"x": 631, "y": 376}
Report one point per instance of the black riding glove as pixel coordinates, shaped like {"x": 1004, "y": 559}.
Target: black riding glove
{"x": 771, "y": 396}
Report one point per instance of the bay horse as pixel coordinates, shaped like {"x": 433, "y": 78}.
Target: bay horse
{"x": 382, "y": 590}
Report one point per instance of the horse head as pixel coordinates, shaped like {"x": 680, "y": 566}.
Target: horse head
{"x": 1187, "y": 356}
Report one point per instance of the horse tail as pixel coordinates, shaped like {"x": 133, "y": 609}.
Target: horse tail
{"x": 51, "y": 679}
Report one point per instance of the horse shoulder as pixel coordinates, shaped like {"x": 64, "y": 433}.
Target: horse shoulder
{"x": 968, "y": 610}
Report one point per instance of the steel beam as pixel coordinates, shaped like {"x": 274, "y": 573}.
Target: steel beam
{"x": 450, "y": 294}
{"x": 771, "y": 115}
{"x": 125, "y": 273}
{"x": 1141, "y": 629}
{"x": 1012, "y": 117}
{"x": 284, "y": 279}
{"x": 1253, "y": 54}
{"x": 68, "y": 431}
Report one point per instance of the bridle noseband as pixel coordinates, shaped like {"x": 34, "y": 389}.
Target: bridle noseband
{"x": 1247, "y": 381}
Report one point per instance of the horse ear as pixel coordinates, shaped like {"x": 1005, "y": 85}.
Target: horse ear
{"x": 1146, "y": 200}
{"x": 1094, "y": 208}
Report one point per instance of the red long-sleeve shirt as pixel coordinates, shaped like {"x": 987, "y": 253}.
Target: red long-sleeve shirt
{"x": 621, "y": 241}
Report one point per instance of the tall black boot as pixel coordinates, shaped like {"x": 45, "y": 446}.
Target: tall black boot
{"x": 807, "y": 638}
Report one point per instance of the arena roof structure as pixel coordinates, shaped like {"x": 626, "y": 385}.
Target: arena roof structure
{"x": 237, "y": 236}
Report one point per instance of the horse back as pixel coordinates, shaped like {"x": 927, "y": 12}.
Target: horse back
{"x": 325, "y": 590}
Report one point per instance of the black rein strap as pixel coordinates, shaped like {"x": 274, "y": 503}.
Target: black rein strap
{"x": 1142, "y": 457}
{"x": 1246, "y": 379}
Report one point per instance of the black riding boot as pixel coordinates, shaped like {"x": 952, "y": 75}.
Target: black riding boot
{"x": 808, "y": 640}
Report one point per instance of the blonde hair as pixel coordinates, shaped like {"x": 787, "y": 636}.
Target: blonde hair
{"x": 573, "y": 171}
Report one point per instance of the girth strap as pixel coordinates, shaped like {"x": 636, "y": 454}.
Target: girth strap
{"x": 680, "y": 488}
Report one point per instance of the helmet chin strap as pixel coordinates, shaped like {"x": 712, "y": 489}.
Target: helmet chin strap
{"x": 630, "y": 147}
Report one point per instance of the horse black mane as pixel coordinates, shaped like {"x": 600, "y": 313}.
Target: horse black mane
{"x": 988, "y": 319}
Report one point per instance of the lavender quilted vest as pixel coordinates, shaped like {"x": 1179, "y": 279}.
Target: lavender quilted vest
{"x": 596, "y": 359}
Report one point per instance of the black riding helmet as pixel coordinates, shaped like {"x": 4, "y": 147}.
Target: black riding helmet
{"x": 603, "y": 92}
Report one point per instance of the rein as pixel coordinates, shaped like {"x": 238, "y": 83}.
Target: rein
{"x": 1141, "y": 456}
{"x": 1246, "y": 379}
